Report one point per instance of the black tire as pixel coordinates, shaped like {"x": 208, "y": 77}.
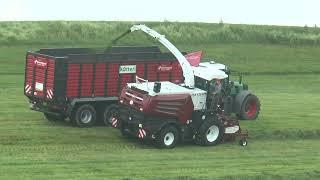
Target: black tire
{"x": 84, "y": 116}
{"x": 52, "y": 117}
{"x": 110, "y": 112}
{"x": 243, "y": 142}
{"x": 210, "y": 133}
{"x": 125, "y": 133}
{"x": 168, "y": 137}
{"x": 100, "y": 107}
{"x": 250, "y": 108}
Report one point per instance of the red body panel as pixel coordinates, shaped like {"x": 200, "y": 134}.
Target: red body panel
{"x": 104, "y": 79}
{"x": 59, "y": 74}
{"x": 178, "y": 106}
{"x": 99, "y": 81}
{"x": 177, "y": 73}
{"x": 152, "y": 73}
{"x": 113, "y": 78}
{"x": 87, "y": 80}
{"x": 50, "y": 79}
{"x": 163, "y": 70}
{"x": 39, "y": 77}
{"x": 29, "y": 74}
{"x": 73, "y": 80}
{"x": 140, "y": 70}
{"x": 174, "y": 105}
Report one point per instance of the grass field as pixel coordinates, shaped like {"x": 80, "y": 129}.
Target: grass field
{"x": 284, "y": 142}
{"x": 62, "y": 32}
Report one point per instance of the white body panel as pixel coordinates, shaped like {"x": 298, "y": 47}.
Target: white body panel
{"x": 231, "y": 130}
{"x": 198, "y": 96}
{"x": 209, "y": 71}
{"x": 213, "y": 65}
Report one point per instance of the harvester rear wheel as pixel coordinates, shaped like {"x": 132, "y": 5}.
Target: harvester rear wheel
{"x": 250, "y": 108}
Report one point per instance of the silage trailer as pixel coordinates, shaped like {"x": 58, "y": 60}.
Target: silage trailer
{"x": 83, "y": 85}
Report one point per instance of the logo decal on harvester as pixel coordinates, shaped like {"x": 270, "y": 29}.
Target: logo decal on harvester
{"x": 127, "y": 69}
{"x": 164, "y": 68}
{"x": 40, "y": 63}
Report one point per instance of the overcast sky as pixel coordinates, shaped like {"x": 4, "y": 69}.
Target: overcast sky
{"x": 275, "y": 12}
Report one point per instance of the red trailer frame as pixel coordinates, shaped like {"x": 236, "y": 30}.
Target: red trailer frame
{"x": 59, "y": 81}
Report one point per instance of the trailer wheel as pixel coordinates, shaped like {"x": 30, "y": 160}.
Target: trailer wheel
{"x": 51, "y": 117}
{"x": 210, "y": 133}
{"x": 110, "y": 112}
{"x": 84, "y": 116}
{"x": 250, "y": 108}
{"x": 167, "y": 137}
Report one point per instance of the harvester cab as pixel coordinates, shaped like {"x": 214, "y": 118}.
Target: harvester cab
{"x": 204, "y": 71}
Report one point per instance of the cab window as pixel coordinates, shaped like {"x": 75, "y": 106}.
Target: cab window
{"x": 201, "y": 83}
{"x": 212, "y": 86}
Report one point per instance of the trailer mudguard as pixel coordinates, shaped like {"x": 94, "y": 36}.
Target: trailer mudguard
{"x": 74, "y": 101}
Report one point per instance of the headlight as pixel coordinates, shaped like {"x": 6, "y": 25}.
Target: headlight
{"x": 121, "y": 101}
{"x": 131, "y": 102}
{"x": 141, "y": 109}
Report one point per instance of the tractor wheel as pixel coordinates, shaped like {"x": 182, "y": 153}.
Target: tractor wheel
{"x": 210, "y": 133}
{"x": 167, "y": 137}
{"x": 250, "y": 108}
{"x": 110, "y": 112}
{"x": 84, "y": 116}
{"x": 51, "y": 117}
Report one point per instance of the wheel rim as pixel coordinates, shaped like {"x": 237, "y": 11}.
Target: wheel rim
{"x": 244, "y": 143}
{"x": 251, "y": 109}
{"x": 85, "y": 116}
{"x": 110, "y": 115}
{"x": 212, "y": 133}
{"x": 110, "y": 119}
{"x": 168, "y": 139}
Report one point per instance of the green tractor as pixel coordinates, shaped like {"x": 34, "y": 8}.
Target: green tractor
{"x": 235, "y": 96}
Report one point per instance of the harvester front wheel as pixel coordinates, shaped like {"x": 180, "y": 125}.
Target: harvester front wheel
{"x": 167, "y": 137}
{"x": 210, "y": 133}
